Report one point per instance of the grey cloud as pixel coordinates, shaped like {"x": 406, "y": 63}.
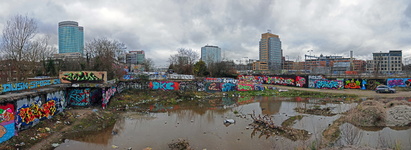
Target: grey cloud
{"x": 160, "y": 27}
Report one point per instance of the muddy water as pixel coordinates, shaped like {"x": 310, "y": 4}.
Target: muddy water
{"x": 201, "y": 123}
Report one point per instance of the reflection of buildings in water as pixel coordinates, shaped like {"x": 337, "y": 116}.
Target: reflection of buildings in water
{"x": 270, "y": 107}
{"x": 102, "y": 137}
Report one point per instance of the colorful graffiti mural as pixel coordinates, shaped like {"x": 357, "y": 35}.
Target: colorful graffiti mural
{"x": 78, "y": 97}
{"x": 372, "y": 84}
{"x": 164, "y": 85}
{"x": 399, "y": 82}
{"x": 59, "y": 99}
{"x": 213, "y": 87}
{"x": 7, "y": 125}
{"x": 213, "y": 79}
{"x": 300, "y": 81}
{"x": 226, "y": 87}
{"x": 130, "y": 77}
{"x": 329, "y": 84}
{"x": 352, "y": 84}
{"x": 289, "y": 80}
{"x": 27, "y": 85}
{"x": 107, "y": 94}
{"x": 245, "y": 87}
{"x": 30, "y": 113}
{"x": 312, "y": 79}
{"x": 83, "y": 76}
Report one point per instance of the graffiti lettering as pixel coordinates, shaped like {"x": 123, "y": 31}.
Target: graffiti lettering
{"x": 244, "y": 87}
{"x": 27, "y": 85}
{"x": 79, "y": 97}
{"x": 164, "y": 85}
{"x": 30, "y": 114}
{"x": 399, "y": 82}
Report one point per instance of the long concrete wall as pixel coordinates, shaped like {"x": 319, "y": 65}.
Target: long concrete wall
{"x": 23, "y": 110}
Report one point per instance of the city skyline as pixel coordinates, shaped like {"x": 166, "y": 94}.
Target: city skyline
{"x": 327, "y": 27}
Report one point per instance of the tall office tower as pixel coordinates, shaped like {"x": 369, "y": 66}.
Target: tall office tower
{"x": 210, "y": 54}
{"x": 71, "y": 37}
{"x": 270, "y": 51}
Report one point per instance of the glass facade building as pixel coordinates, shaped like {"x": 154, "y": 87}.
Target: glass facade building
{"x": 270, "y": 51}
{"x": 71, "y": 37}
{"x": 210, "y": 54}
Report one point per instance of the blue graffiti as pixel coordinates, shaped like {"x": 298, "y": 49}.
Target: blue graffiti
{"x": 226, "y": 87}
{"x": 327, "y": 84}
{"x": 79, "y": 97}
{"x": 163, "y": 85}
{"x": 27, "y": 85}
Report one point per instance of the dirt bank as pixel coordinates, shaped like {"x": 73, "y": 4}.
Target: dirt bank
{"x": 381, "y": 113}
{"x": 360, "y": 93}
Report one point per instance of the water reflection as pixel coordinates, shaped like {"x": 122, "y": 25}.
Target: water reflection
{"x": 201, "y": 123}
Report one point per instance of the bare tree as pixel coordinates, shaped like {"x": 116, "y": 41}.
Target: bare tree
{"x": 350, "y": 134}
{"x": 21, "y": 48}
{"x": 183, "y": 61}
{"x": 104, "y": 55}
{"x": 148, "y": 64}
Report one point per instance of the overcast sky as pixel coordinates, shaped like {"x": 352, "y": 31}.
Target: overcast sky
{"x": 328, "y": 27}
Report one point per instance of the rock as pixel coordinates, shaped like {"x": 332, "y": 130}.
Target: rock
{"x": 114, "y": 146}
{"x": 165, "y": 122}
{"x": 246, "y": 127}
{"x": 129, "y": 148}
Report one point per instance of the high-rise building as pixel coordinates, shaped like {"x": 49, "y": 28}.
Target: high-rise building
{"x": 135, "y": 57}
{"x": 71, "y": 37}
{"x": 210, "y": 54}
{"x": 270, "y": 52}
{"x": 390, "y": 62}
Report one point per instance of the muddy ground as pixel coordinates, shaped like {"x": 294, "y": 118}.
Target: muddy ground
{"x": 360, "y": 93}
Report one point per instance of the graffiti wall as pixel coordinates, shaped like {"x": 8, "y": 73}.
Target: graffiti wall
{"x": 164, "y": 85}
{"x": 226, "y": 87}
{"x": 27, "y": 85}
{"x": 289, "y": 80}
{"x": 245, "y": 87}
{"x": 312, "y": 79}
{"x": 107, "y": 94}
{"x": 352, "y": 83}
{"x": 224, "y": 80}
{"x": 120, "y": 87}
{"x": 373, "y": 83}
{"x": 181, "y": 76}
{"x": 78, "y": 97}
{"x": 33, "y": 109}
{"x": 83, "y": 77}
{"x": 329, "y": 84}
{"x": 213, "y": 87}
{"x": 60, "y": 100}
{"x": 7, "y": 125}
{"x": 130, "y": 77}
{"x": 399, "y": 82}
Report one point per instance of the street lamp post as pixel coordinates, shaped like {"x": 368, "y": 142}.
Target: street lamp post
{"x": 288, "y": 61}
{"x": 306, "y": 61}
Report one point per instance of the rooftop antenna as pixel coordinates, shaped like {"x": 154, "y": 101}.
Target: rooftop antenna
{"x": 268, "y": 31}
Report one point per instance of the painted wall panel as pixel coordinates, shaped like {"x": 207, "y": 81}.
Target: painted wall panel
{"x": 7, "y": 125}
